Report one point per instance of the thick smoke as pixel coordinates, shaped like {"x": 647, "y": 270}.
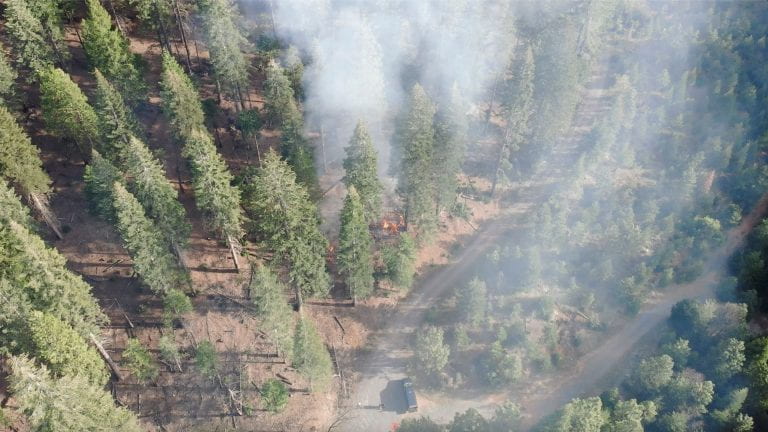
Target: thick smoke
{"x": 366, "y": 55}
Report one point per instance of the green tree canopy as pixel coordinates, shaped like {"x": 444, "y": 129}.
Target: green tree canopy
{"x": 400, "y": 261}
{"x": 415, "y": 144}
{"x": 159, "y": 199}
{"x": 181, "y": 101}
{"x": 279, "y": 101}
{"x": 268, "y": 296}
{"x": 274, "y": 395}
{"x": 66, "y": 110}
{"x": 8, "y": 77}
{"x": 653, "y": 373}
{"x": 449, "y": 143}
{"x": 472, "y": 301}
{"x": 19, "y": 159}
{"x": 286, "y": 219}
{"x": 431, "y": 352}
{"x": 138, "y": 360}
{"x": 226, "y": 44}
{"x": 144, "y": 242}
{"x": 27, "y": 37}
{"x": 310, "y": 357}
{"x": 62, "y": 350}
{"x": 117, "y": 124}
{"x": 41, "y": 280}
{"x": 361, "y": 171}
{"x": 355, "y": 256}
{"x": 109, "y": 52}
{"x": 100, "y": 177}
{"x": 69, "y": 403}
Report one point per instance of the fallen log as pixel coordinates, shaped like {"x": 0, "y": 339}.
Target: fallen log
{"x": 107, "y": 358}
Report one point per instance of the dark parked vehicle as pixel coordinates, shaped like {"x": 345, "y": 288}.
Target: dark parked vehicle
{"x": 410, "y": 396}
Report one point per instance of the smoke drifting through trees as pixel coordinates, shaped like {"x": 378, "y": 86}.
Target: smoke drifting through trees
{"x": 366, "y": 56}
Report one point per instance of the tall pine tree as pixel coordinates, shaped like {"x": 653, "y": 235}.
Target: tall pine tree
{"x": 27, "y": 37}
{"x": 214, "y": 194}
{"x": 355, "y": 258}
{"x": 8, "y": 77}
{"x": 310, "y": 357}
{"x": 69, "y": 403}
{"x": 278, "y": 95}
{"x": 286, "y": 219}
{"x": 19, "y": 159}
{"x": 181, "y": 101}
{"x": 144, "y": 242}
{"x": 159, "y": 199}
{"x": 268, "y": 295}
{"x": 450, "y": 141}
{"x": 519, "y": 110}
{"x": 415, "y": 148}
{"x": 100, "y": 177}
{"x": 116, "y": 121}
{"x": 226, "y": 43}
{"x": 39, "y": 276}
{"x": 361, "y": 171}
{"x": 66, "y": 110}
{"x": 108, "y": 51}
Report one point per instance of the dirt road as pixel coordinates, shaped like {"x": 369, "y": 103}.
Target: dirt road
{"x": 380, "y": 383}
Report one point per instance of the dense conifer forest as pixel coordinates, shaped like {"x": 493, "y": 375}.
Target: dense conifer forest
{"x": 281, "y": 215}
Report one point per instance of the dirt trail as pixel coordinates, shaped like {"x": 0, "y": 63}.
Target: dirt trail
{"x": 599, "y": 363}
{"x": 390, "y": 348}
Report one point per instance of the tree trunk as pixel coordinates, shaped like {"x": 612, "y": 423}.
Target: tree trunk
{"x": 183, "y": 34}
{"x": 117, "y": 20}
{"x": 107, "y": 358}
{"x": 490, "y": 105}
{"x": 232, "y": 251}
{"x": 40, "y": 203}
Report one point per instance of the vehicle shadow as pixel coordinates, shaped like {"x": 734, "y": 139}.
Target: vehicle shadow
{"x": 393, "y": 397}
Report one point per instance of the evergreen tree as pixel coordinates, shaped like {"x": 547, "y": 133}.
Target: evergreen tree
{"x": 108, "y": 51}
{"x": 100, "y": 177}
{"x": 278, "y": 95}
{"x": 8, "y": 77}
{"x": 49, "y": 13}
{"x": 298, "y": 154}
{"x": 69, "y": 403}
{"x": 274, "y": 395}
{"x": 269, "y": 299}
{"x": 225, "y": 43}
{"x": 138, "y": 360}
{"x": 310, "y": 357}
{"x": 450, "y": 140}
{"x": 355, "y": 258}
{"x": 19, "y": 159}
{"x": 27, "y": 37}
{"x": 11, "y": 208}
{"x": 431, "y": 352}
{"x": 205, "y": 359}
{"x": 144, "y": 242}
{"x": 180, "y": 99}
{"x": 40, "y": 278}
{"x": 361, "y": 171}
{"x": 62, "y": 350}
{"x": 116, "y": 121}
{"x": 415, "y": 141}
{"x": 400, "y": 261}
{"x": 519, "y": 113}
{"x": 66, "y": 110}
{"x": 214, "y": 194}
{"x": 287, "y": 220}
{"x": 159, "y": 199}
{"x": 472, "y": 301}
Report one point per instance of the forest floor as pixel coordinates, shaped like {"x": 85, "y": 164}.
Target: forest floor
{"x": 180, "y": 399}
